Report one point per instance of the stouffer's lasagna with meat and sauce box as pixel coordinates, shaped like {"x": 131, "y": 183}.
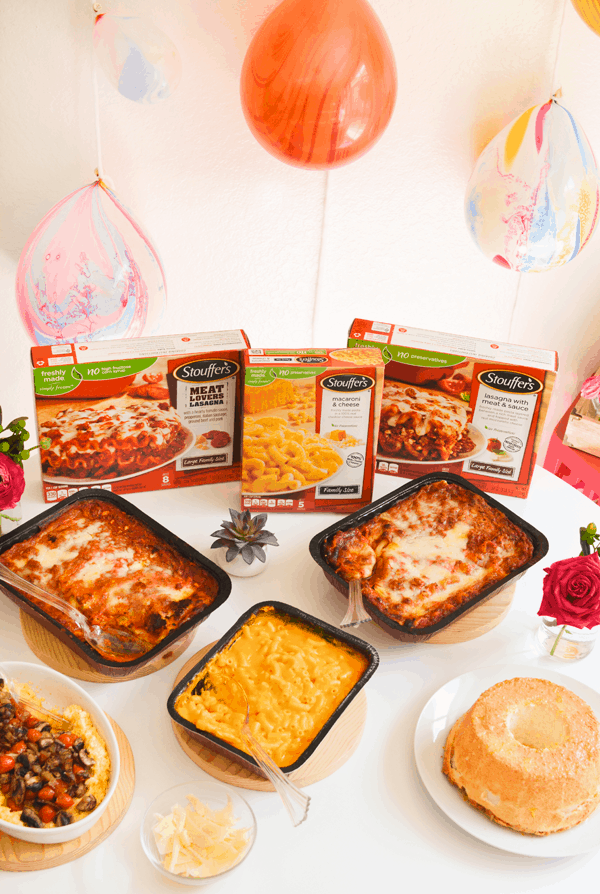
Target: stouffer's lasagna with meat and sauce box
{"x": 459, "y": 404}
{"x": 310, "y": 428}
{"x": 139, "y": 414}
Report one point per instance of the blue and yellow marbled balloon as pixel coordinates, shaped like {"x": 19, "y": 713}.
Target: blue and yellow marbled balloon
{"x": 533, "y": 199}
{"x": 137, "y": 57}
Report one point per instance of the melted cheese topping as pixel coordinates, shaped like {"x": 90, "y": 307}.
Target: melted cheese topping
{"x": 434, "y": 551}
{"x": 427, "y": 411}
{"x": 113, "y": 569}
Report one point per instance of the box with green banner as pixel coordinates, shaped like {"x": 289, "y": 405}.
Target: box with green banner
{"x": 139, "y": 414}
{"x": 311, "y": 418}
{"x": 459, "y": 404}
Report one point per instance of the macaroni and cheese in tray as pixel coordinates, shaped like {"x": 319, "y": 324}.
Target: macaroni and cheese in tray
{"x": 428, "y": 552}
{"x": 120, "y": 568}
{"x": 299, "y": 674}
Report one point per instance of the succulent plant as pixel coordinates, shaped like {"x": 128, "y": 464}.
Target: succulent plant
{"x": 244, "y": 535}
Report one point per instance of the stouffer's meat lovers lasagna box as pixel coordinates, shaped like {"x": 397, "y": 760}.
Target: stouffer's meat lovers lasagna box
{"x": 139, "y": 414}
{"x": 459, "y": 404}
{"x": 310, "y": 428}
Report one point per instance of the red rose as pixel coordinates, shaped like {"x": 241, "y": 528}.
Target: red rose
{"x": 572, "y": 591}
{"x": 12, "y": 482}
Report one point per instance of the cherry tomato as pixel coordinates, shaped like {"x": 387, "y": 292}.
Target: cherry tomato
{"x": 67, "y": 739}
{"x": 47, "y": 813}
{"x": 29, "y": 795}
{"x": 456, "y": 385}
{"x": 60, "y": 786}
{"x": 5, "y": 788}
{"x": 77, "y": 769}
{"x": 11, "y": 804}
{"x": 7, "y": 763}
{"x": 31, "y": 722}
{"x": 64, "y": 801}
{"x": 18, "y": 747}
{"x": 34, "y": 735}
{"x": 47, "y": 793}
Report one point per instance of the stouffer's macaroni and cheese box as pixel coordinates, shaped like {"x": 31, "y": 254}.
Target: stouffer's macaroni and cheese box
{"x": 310, "y": 428}
{"x": 139, "y": 414}
{"x": 459, "y": 404}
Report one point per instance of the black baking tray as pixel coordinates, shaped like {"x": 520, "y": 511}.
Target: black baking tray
{"x": 405, "y": 631}
{"x": 106, "y": 666}
{"x": 321, "y": 627}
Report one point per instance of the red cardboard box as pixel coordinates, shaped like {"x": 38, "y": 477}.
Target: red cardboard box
{"x": 580, "y": 470}
{"x": 139, "y": 414}
{"x": 458, "y": 404}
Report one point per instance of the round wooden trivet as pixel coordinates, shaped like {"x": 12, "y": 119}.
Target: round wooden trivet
{"x": 473, "y": 624}
{"x": 23, "y": 856}
{"x": 60, "y": 657}
{"x": 339, "y": 744}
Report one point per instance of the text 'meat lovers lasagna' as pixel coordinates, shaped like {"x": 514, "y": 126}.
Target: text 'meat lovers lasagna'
{"x": 94, "y": 442}
{"x": 422, "y": 425}
{"x": 429, "y": 554}
{"x": 115, "y": 570}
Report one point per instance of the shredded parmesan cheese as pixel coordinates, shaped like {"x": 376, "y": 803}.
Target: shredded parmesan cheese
{"x": 198, "y": 842}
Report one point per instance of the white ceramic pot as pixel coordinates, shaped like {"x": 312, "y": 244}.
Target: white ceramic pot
{"x": 58, "y": 691}
{"x": 238, "y": 567}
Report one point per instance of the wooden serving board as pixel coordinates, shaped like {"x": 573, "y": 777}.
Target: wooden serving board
{"x": 477, "y": 622}
{"x": 336, "y": 748}
{"x": 23, "y": 856}
{"x": 57, "y": 655}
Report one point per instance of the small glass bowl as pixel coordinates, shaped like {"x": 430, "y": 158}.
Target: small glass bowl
{"x": 213, "y": 795}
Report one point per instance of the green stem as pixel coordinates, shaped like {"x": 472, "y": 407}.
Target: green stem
{"x": 556, "y": 641}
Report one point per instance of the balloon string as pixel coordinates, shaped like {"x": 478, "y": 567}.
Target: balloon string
{"x": 97, "y": 115}
{"x": 316, "y": 306}
{"x": 556, "y": 89}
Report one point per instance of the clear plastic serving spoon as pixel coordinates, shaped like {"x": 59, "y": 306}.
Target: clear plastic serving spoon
{"x": 58, "y": 719}
{"x": 357, "y": 613}
{"x": 295, "y": 801}
{"x": 110, "y": 640}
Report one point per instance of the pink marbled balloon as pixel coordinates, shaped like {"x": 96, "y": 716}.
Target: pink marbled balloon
{"x": 88, "y": 272}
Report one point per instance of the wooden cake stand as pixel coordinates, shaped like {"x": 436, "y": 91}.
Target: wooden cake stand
{"x": 339, "y": 744}
{"x": 23, "y": 856}
{"x": 57, "y": 655}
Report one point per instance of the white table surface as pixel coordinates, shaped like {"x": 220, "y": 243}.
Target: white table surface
{"x": 371, "y": 824}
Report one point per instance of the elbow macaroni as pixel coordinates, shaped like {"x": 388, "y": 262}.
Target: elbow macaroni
{"x": 294, "y": 679}
{"x": 276, "y": 459}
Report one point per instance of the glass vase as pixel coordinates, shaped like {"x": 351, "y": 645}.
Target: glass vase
{"x": 574, "y": 643}
{"x": 10, "y": 518}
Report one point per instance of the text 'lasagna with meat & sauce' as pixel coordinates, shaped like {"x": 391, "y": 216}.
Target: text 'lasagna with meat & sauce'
{"x": 429, "y": 554}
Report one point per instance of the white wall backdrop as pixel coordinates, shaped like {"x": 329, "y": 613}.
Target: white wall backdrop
{"x": 292, "y": 255}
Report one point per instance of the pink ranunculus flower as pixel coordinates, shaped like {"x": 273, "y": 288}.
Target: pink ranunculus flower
{"x": 591, "y": 387}
{"x": 12, "y": 482}
{"x": 572, "y": 591}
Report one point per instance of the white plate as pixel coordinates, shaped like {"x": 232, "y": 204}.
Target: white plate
{"x": 83, "y": 482}
{"x": 475, "y": 435}
{"x": 437, "y": 718}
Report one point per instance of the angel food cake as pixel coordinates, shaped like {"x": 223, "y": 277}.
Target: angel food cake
{"x": 430, "y": 553}
{"x": 527, "y": 754}
{"x": 48, "y": 776}
{"x": 106, "y": 442}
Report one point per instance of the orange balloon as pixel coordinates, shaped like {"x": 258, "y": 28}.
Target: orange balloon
{"x": 589, "y": 10}
{"x": 318, "y": 82}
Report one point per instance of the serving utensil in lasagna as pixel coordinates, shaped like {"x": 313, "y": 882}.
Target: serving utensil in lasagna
{"x": 356, "y": 613}
{"x": 58, "y": 720}
{"x": 109, "y": 640}
{"x": 231, "y": 692}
